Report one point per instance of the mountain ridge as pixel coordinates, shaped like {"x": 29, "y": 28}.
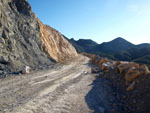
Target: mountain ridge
{"x": 117, "y": 49}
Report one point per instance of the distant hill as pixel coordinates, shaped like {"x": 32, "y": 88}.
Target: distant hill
{"x": 83, "y": 45}
{"x": 117, "y": 49}
{"x": 144, "y": 45}
{"x": 113, "y": 46}
{"x": 138, "y": 54}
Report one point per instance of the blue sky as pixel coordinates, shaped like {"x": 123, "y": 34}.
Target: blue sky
{"x": 99, "y": 20}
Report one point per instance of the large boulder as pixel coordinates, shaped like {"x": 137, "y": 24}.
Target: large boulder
{"x": 135, "y": 72}
{"x": 132, "y": 74}
{"x": 123, "y": 67}
{"x": 103, "y": 60}
{"x": 105, "y": 66}
{"x": 108, "y": 66}
{"x": 133, "y": 64}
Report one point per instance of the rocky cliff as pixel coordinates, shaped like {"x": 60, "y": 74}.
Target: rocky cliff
{"x": 55, "y": 45}
{"x": 24, "y": 41}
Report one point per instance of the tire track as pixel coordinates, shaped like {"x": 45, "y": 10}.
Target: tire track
{"x": 37, "y": 92}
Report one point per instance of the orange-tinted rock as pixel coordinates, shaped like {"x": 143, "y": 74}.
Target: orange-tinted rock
{"x": 132, "y": 74}
{"x": 125, "y": 66}
{"x": 103, "y": 60}
{"x": 133, "y": 64}
{"x": 117, "y": 63}
{"x": 136, "y": 71}
{"x": 95, "y": 60}
{"x": 145, "y": 69}
{"x": 107, "y": 66}
{"x": 55, "y": 45}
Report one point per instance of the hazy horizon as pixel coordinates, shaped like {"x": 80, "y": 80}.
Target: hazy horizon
{"x": 99, "y": 20}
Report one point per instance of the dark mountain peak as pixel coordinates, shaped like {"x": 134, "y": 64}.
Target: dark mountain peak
{"x": 121, "y": 42}
{"x": 87, "y": 41}
{"x": 120, "y": 39}
{"x": 72, "y": 39}
{"x": 83, "y": 45}
{"x": 118, "y": 49}
{"x": 114, "y": 46}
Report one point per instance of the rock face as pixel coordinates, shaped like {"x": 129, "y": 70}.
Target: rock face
{"x": 22, "y": 39}
{"x": 55, "y": 45}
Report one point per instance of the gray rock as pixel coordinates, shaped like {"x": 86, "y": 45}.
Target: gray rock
{"x": 20, "y": 37}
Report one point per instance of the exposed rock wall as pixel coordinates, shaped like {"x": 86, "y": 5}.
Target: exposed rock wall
{"x": 22, "y": 39}
{"x": 55, "y": 45}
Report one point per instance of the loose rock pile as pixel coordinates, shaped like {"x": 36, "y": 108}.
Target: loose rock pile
{"x": 131, "y": 80}
{"x": 130, "y": 70}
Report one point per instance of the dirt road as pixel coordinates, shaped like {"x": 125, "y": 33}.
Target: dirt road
{"x": 68, "y": 89}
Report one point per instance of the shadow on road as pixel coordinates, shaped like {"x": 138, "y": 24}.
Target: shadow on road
{"x": 101, "y": 98}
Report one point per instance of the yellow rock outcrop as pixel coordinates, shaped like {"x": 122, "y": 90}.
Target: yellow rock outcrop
{"x": 55, "y": 45}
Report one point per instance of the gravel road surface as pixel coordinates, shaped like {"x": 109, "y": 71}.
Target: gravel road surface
{"x": 67, "y": 89}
